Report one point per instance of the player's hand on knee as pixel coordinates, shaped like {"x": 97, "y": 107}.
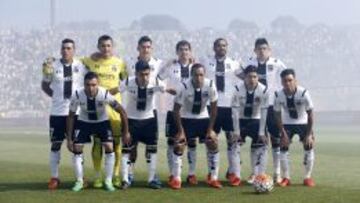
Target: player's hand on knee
{"x": 309, "y": 141}
{"x": 284, "y": 139}
{"x": 211, "y": 141}
{"x": 126, "y": 138}
{"x": 70, "y": 145}
{"x": 264, "y": 139}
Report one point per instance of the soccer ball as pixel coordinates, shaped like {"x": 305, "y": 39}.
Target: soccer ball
{"x": 263, "y": 184}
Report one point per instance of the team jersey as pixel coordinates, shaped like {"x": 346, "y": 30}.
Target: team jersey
{"x": 173, "y": 76}
{"x": 193, "y": 101}
{"x": 293, "y": 108}
{"x": 155, "y": 65}
{"x": 140, "y": 102}
{"x": 269, "y": 74}
{"x": 92, "y": 110}
{"x": 223, "y": 73}
{"x": 250, "y": 103}
{"x": 110, "y": 71}
{"x": 64, "y": 80}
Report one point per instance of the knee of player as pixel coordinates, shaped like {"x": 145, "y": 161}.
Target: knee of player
{"x": 212, "y": 145}
{"x": 179, "y": 148}
{"x": 78, "y": 149}
{"x": 151, "y": 149}
{"x": 56, "y": 146}
{"x": 170, "y": 141}
{"x": 191, "y": 143}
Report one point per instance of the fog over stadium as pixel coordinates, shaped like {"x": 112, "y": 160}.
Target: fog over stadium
{"x": 321, "y": 46}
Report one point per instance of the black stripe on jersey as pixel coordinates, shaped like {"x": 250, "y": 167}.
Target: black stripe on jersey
{"x": 303, "y": 94}
{"x": 106, "y": 93}
{"x": 220, "y": 76}
{"x": 184, "y": 85}
{"x": 185, "y": 71}
{"x": 91, "y": 107}
{"x": 197, "y": 102}
{"x": 290, "y": 103}
{"x": 77, "y": 94}
{"x": 265, "y": 89}
{"x": 248, "y": 110}
{"x": 141, "y": 99}
{"x": 237, "y": 88}
{"x": 67, "y": 70}
{"x": 127, "y": 81}
{"x": 276, "y": 94}
{"x": 261, "y": 71}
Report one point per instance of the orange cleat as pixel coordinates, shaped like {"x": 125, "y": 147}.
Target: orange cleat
{"x": 175, "y": 183}
{"x": 192, "y": 180}
{"x": 309, "y": 182}
{"x": 233, "y": 179}
{"x": 53, "y": 183}
{"x": 215, "y": 184}
{"x": 285, "y": 182}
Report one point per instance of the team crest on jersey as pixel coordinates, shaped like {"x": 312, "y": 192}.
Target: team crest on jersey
{"x": 257, "y": 99}
{"x": 151, "y": 91}
{"x": 76, "y": 69}
{"x": 205, "y": 94}
{"x": 271, "y": 67}
{"x": 100, "y": 104}
{"x": 114, "y": 68}
{"x": 228, "y": 66}
{"x": 152, "y": 68}
{"x": 298, "y": 102}
{"x": 97, "y": 66}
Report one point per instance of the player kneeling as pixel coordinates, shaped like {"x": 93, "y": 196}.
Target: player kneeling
{"x": 93, "y": 119}
{"x": 193, "y": 121}
{"x": 294, "y": 115}
{"x": 249, "y": 108}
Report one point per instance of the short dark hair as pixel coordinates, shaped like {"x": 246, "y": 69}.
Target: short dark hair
{"x": 141, "y": 65}
{"x": 68, "y": 40}
{"x": 287, "y": 72}
{"x": 218, "y": 40}
{"x": 261, "y": 41}
{"x": 91, "y": 75}
{"x": 250, "y": 69}
{"x": 144, "y": 39}
{"x": 104, "y": 38}
{"x": 196, "y": 66}
{"x": 183, "y": 43}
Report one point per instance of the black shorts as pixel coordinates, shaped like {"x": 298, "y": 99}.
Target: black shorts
{"x": 145, "y": 131}
{"x": 250, "y": 128}
{"x": 296, "y": 129}
{"x": 84, "y": 131}
{"x": 170, "y": 128}
{"x": 57, "y": 131}
{"x": 271, "y": 126}
{"x": 223, "y": 120}
{"x": 195, "y": 128}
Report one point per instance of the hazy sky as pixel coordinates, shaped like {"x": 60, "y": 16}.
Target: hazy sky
{"x": 193, "y": 13}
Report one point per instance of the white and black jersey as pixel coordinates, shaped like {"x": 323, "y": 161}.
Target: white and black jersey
{"x": 92, "y": 110}
{"x": 173, "y": 76}
{"x": 269, "y": 74}
{"x": 194, "y": 100}
{"x": 250, "y": 105}
{"x": 224, "y": 74}
{"x": 140, "y": 102}
{"x": 293, "y": 107}
{"x": 64, "y": 80}
{"x": 154, "y": 63}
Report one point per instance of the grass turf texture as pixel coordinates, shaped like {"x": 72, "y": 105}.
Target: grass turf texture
{"x": 24, "y": 173}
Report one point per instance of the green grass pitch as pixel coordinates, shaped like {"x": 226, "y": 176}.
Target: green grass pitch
{"x": 24, "y": 173}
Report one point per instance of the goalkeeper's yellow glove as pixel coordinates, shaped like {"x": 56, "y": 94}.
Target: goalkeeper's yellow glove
{"x": 47, "y": 66}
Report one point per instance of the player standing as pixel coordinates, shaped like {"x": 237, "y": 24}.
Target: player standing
{"x": 61, "y": 77}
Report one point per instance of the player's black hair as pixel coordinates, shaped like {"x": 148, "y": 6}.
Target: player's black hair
{"x": 91, "y": 75}
{"x": 250, "y": 69}
{"x": 104, "y": 38}
{"x": 141, "y": 66}
{"x": 261, "y": 41}
{"x": 196, "y": 66}
{"x": 183, "y": 43}
{"x": 218, "y": 40}
{"x": 287, "y": 72}
{"x": 144, "y": 39}
{"x": 68, "y": 40}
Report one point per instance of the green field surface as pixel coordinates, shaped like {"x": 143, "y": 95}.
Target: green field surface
{"x": 24, "y": 173}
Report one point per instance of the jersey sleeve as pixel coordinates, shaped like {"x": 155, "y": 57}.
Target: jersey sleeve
{"x": 234, "y": 99}
{"x": 180, "y": 96}
{"x": 111, "y": 100}
{"x": 308, "y": 101}
{"x": 163, "y": 72}
{"x": 74, "y": 102}
{"x": 277, "y": 102}
{"x": 213, "y": 94}
{"x": 265, "y": 100}
{"x": 123, "y": 85}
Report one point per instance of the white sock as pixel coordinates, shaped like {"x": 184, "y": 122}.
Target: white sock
{"x": 152, "y": 166}
{"x": 309, "y": 157}
{"x": 213, "y": 165}
{"x": 131, "y": 168}
{"x": 109, "y": 166}
{"x": 285, "y": 166}
{"x": 237, "y": 161}
{"x": 78, "y": 166}
{"x": 54, "y": 163}
{"x": 276, "y": 160}
{"x": 191, "y": 154}
{"x": 125, "y": 164}
{"x": 234, "y": 159}
{"x": 230, "y": 157}
{"x": 177, "y": 166}
{"x": 253, "y": 159}
{"x": 262, "y": 153}
{"x": 169, "y": 154}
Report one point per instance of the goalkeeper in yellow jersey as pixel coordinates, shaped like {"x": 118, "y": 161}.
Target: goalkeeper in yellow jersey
{"x": 110, "y": 70}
